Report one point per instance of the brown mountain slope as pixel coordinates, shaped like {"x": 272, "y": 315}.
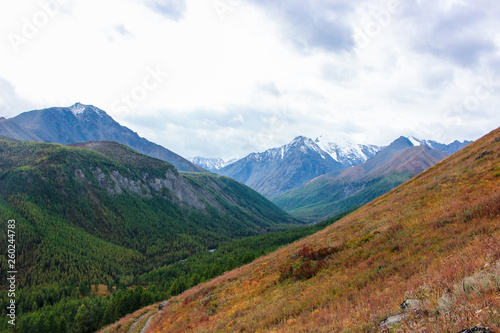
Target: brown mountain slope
{"x": 331, "y": 194}
{"x": 435, "y": 240}
{"x": 414, "y": 159}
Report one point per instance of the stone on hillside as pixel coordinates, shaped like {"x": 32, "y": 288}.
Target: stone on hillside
{"x": 162, "y": 305}
{"x": 476, "y": 329}
{"x": 392, "y": 320}
{"x": 411, "y": 305}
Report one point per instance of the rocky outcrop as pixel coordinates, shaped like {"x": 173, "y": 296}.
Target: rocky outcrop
{"x": 173, "y": 187}
{"x": 408, "y": 306}
{"x": 476, "y": 329}
{"x": 162, "y": 305}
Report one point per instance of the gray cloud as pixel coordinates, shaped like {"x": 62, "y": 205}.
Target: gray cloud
{"x": 465, "y": 51}
{"x": 269, "y": 88}
{"x": 438, "y": 79}
{"x": 314, "y": 25}
{"x": 172, "y": 9}
{"x": 494, "y": 65}
{"x": 234, "y": 133}
{"x": 120, "y": 28}
{"x": 117, "y": 32}
{"x": 458, "y": 34}
{"x": 10, "y": 103}
{"x": 336, "y": 73}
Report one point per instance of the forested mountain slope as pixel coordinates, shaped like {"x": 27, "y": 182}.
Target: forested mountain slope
{"x": 105, "y": 214}
{"x": 96, "y": 216}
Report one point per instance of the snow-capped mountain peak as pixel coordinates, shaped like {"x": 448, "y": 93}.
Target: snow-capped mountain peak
{"x": 79, "y": 109}
{"x": 416, "y": 142}
{"x": 349, "y": 154}
{"x": 279, "y": 169}
{"x": 300, "y": 143}
{"x": 306, "y": 144}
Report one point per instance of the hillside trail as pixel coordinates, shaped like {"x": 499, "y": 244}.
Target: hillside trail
{"x": 147, "y": 324}
{"x": 143, "y": 330}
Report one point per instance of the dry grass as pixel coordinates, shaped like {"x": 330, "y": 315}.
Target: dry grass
{"x": 435, "y": 239}
{"x": 102, "y": 290}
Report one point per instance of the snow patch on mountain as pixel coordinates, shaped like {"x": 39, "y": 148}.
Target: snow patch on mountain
{"x": 429, "y": 143}
{"x": 211, "y": 163}
{"x": 445, "y": 148}
{"x": 77, "y": 109}
{"x": 80, "y": 110}
{"x": 300, "y": 143}
{"x": 347, "y": 153}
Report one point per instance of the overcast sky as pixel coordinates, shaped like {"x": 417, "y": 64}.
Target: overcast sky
{"x": 224, "y": 78}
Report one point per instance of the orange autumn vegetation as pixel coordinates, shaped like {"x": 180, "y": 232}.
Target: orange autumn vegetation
{"x": 435, "y": 239}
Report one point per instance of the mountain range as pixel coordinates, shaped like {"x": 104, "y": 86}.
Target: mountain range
{"x": 84, "y": 123}
{"x": 281, "y": 174}
{"x": 424, "y": 257}
{"x": 211, "y": 164}
{"x": 96, "y": 213}
{"x": 271, "y": 173}
{"x": 332, "y": 193}
{"x": 278, "y": 170}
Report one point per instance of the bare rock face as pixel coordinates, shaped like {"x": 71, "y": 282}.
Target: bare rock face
{"x": 140, "y": 175}
{"x": 179, "y": 189}
{"x": 183, "y": 192}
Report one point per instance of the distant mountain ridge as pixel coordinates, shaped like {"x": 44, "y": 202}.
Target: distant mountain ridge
{"x": 332, "y": 193}
{"x": 347, "y": 153}
{"x": 83, "y": 123}
{"x": 210, "y": 163}
{"x": 397, "y": 265}
{"x": 277, "y": 170}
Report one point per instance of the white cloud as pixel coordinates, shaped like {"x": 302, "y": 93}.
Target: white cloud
{"x": 260, "y": 72}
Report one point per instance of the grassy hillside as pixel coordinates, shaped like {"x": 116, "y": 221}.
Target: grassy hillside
{"x": 434, "y": 240}
{"x": 107, "y": 216}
